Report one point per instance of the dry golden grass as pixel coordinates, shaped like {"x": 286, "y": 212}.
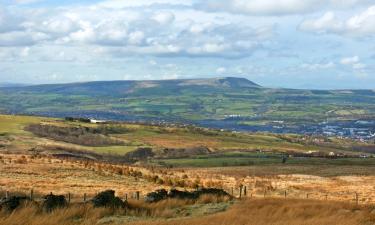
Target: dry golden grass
{"x": 44, "y": 175}
{"x": 85, "y": 214}
{"x": 280, "y": 212}
{"x": 31, "y": 215}
{"x": 22, "y": 173}
{"x": 338, "y": 188}
{"x": 248, "y": 212}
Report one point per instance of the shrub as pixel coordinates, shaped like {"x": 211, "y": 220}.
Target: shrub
{"x": 209, "y": 193}
{"x": 52, "y": 202}
{"x": 157, "y": 195}
{"x": 108, "y": 199}
{"x": 12, "y": 203}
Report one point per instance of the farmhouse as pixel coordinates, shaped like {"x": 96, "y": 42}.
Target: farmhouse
{"x": 97, "y": 121}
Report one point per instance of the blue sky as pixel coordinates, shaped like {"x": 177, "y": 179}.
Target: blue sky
{"x": 322, "y": 44}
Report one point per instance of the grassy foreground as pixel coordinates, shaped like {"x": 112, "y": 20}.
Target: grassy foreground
{"x": 247, "y": 212}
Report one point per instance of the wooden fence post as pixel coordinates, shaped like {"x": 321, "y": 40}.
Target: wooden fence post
{"x": 356, "y": 198}
{"x": 69, "y": 197}
{"x": 84, "y": 197}
{"x": 307, "y": 196}
{"x": 232, "y": 192}
{"x": 245, "y": 191}
{"x": 126, "y": 197}
{"x": 285, "y": 194}
{"x": 31, "y": 195}
{"x": 137, "y": 194}
{"x": 240, "y": 191}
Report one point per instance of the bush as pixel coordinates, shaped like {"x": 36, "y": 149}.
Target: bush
{"x": 12, "y": 203}
{"x": 108, "y": 199}
{"x": 194, "y": 195}
{"x": 156, "y": 196}
{"x": 77, "y": 135}
{"x": 52, "y": 202}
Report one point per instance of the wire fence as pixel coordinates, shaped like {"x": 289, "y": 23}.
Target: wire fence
{"x": 353, "y": 197}
{"x": 70, "y": 197}
{"x": 237, "y": 192}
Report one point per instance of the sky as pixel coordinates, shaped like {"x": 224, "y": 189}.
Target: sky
{"x": 314, "y": 44}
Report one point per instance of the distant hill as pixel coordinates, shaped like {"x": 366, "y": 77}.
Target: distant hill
{"x": 5, "y": 84}
{"x": 229, "y": 102}
{"x": 120, "y": 88}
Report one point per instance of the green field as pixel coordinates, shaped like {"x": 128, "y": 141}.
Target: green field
{"x": 220, "y": 148}
{"x": 190, "y": 100}
{"x": 206, "y": 161}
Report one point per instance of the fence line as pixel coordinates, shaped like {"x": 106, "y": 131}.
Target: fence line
{"x": 70, "y": 198}
{"x": 242, "y": 192}
{"x": 354, "y": 197}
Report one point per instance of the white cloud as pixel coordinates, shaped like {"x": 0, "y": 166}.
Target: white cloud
{"x": 221, "y": 70}
{"x": 141, "y": 3}
{"x": 9, "y": 21}
{"x": 327, "y": 22}
{"x": 359, "y": 66}
{"x": 356, "y": 64}
{"x": 21, "y": 38}
{"x": 26, "y": 1}
{"x": 362, "y": 24}
{"x": 318, "y": 66}
{"x": 25, "y": 52}
{"x": 122, "y": 31}
{"x": 136, "y": 37}
{"x": 349, "y": 60}
{"x": 277, "y": 7}
{"x": 164, "y": 17}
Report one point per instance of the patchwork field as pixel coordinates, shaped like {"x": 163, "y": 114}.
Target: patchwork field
{"x": 126, "y": 137}
{"x": 279, "y": 172}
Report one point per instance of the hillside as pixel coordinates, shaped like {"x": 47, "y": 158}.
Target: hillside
{"x": 232, "y": 103}
{"x": 126, "y": 88}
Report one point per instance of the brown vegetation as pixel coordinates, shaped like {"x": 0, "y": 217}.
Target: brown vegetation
{"x": 31, "y": 213}
{"x": 248, "y": 212}
{"x": 80, "y": 135}
{"x": 279, "y": 212}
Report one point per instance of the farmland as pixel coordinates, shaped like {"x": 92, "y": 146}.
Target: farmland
{"x": 143, "y": 157}
{"x": 224, "y": 103}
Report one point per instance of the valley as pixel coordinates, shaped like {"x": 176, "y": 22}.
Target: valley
{"x": 223, "y": 103}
